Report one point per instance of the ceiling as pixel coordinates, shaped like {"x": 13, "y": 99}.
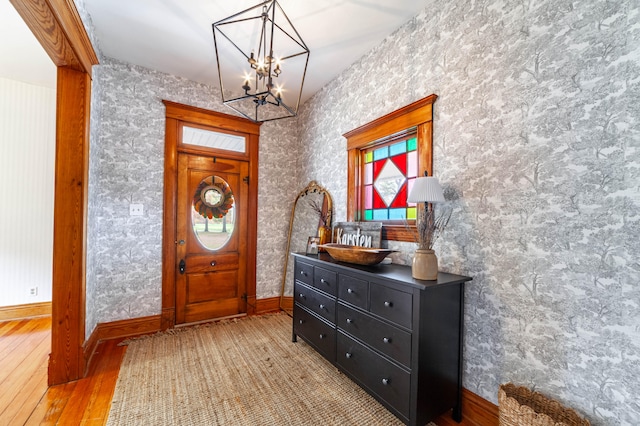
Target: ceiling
{"x": 21, "y": 56}
{"x": 175, "y": 36}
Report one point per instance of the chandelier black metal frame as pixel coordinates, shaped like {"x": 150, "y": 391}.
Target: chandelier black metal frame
{"x": 269, "y": 58}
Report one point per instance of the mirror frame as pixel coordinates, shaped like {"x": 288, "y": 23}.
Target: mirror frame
{"x": 312, "y": 188}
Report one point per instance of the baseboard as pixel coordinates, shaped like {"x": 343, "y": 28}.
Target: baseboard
{"x": 29, "y": 310}
{"x": 118, "y": 330}
{"x": 271, "y": 304}
{"x": 476, "y": 411}
{"x": 151, "y": 324}
{"x": 287, "y": 303}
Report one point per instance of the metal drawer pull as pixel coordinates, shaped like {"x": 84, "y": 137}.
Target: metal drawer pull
{"x": 213, "y": 263}
{"x": 348, "y": 355}
{"x": 322, "y": 281}
{"x": 388, "y": 304}
{"x": 349, "y": 291}
{"x": 301, "y": 321}
{"x": 386, "y": 340}
{"x": 301, "y": 272}
{"x": 302, "y": 296}
{"x": 322, "y": 336}
{"x": 349, "y": 321}
{"x": 321, "y": 306}
{"x": 385, "y": 381}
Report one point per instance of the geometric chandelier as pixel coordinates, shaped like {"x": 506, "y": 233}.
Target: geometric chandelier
{"x": 262, "y": 62}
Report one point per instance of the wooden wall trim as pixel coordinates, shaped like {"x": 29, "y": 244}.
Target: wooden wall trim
{"x": 397, "y": 121}
{"x": 29, "y": 310}
{"x": 59, "y": 29}
{"x": 147, "y": 325}
{"x": 271, "y": 304}
{"x": 476, "y": 411}
{"x": 66, "y": 362}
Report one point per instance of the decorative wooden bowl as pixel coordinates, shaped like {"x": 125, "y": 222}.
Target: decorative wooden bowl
{"x": 358, "y": 255}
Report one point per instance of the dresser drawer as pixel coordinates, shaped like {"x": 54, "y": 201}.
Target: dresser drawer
{"x": 384, "y": 337}
{"x": 392, "y": 304}
{"x": 353, "y": 291}
{"x": 315, "y": 301}
{"x": 317, "y": 333}
{"x": 303, "y": 272}
{"x": 325, "y": 280}
{"x": 384, "y": 379}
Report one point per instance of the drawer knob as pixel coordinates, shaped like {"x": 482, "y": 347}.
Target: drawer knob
{"x": 386, "y": 340}
{"x": 213, "y": 263}
{"x": 302, "y": 273}
{"x": 322, "y": 336}
{"x": 349, "y": 321}
{"x": 350, "y": 291}
{"x": 322, "y": 280}
{"x": 348, "y": 355}
{"x": 302, "y": 296}
{"x": 301, "y": 321}
{"x": 385, "y": 382}
{"x": 388, "y": 304}
{"x": 321, "y": 306}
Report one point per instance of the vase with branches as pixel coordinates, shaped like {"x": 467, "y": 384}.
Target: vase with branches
{"x": 429, "y": 226}
{"x": 324, "y": 215}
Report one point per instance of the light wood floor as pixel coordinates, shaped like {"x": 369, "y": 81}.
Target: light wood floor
{"x": 25, "y": 398}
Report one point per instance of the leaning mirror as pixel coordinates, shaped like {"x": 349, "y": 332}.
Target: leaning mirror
{"x": 312, "y": 211}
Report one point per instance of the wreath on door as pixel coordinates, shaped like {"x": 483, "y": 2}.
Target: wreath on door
{"x": 213, "y": 198}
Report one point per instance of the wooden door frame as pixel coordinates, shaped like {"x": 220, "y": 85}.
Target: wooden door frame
{"x": 59, "y": 29}
{"x": 175, "y": 115}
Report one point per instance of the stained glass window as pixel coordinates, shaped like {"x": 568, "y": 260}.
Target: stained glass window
{"x": 389, "y": 173}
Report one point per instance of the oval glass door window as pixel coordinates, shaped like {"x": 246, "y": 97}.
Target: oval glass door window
{"x": 213, "y": 214}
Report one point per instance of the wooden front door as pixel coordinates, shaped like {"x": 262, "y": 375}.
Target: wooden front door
{"x": 211, "y": 249}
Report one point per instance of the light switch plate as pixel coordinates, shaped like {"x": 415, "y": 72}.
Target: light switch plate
{"x": 136, "y": 209}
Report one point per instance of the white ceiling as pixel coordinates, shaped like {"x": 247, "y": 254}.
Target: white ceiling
{"x": 175, "y": 36}
{"x": 21, "y": 56}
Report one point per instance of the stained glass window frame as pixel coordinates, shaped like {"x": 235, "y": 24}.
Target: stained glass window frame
{"x": 416, "y": 117}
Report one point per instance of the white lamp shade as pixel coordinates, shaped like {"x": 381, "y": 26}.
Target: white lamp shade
{"x": 426, "y": 189}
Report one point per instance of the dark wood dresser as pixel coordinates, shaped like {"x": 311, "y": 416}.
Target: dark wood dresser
{"x": 399, "y": 338}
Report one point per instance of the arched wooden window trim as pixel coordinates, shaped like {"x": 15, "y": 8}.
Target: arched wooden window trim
{"x": 417, "y": 117}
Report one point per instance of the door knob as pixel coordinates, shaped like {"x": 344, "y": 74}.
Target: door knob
{"x": 182, "y": 266}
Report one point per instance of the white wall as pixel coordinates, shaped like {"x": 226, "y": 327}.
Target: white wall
{"x": 27, "y": 158}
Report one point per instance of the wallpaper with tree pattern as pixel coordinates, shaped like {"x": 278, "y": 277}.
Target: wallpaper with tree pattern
{"x": 536, "y": 136}
{"x": 536, "y": 141}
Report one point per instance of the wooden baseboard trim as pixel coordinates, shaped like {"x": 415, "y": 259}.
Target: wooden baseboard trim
{"x": 287, "y": 303}
{"x": 271, "y": 304}
{"x": 30, "y": 310}
{"x": 151, "y": 324}
{"x": 476, "y": 411}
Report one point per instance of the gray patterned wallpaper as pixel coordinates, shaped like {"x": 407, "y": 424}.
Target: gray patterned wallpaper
{"x": 124, "y": 252}
{"x": 537, "y": 143}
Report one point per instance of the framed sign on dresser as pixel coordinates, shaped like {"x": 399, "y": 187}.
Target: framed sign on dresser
{"x": 399, "y": 338}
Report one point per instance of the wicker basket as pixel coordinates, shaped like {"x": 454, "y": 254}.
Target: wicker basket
{"x": 519, "y": 406}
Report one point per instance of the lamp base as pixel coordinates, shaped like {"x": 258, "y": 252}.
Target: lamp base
{"x": 425, "y": 265}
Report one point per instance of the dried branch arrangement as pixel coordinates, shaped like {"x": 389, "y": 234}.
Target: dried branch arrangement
{"x": 430, "y": 226}
{"x": 323, "y": 215}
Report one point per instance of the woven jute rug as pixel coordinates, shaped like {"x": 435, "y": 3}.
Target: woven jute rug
{"x": 236, "y": 372}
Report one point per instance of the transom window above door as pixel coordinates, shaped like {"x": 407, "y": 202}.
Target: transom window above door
{"x": 210, "y": 139}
